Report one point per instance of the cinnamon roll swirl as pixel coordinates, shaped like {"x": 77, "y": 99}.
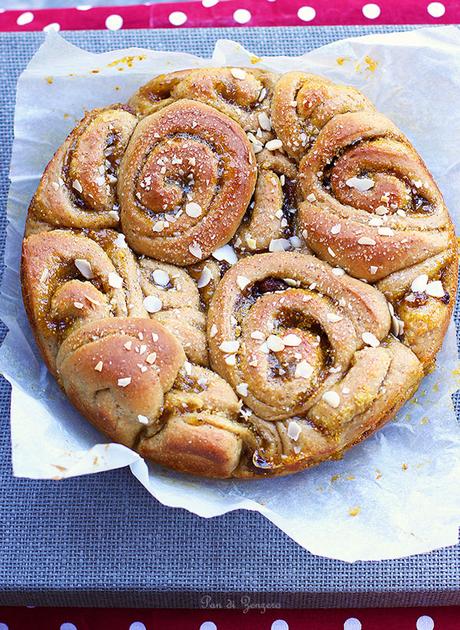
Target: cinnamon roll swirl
{"x": 186, "y": 179}
{"x": 78, "y": 187}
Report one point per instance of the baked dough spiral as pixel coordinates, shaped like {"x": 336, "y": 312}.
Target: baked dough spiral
{"x": 238, "y": 274}
{"x": 78, "y": 187}
{"x": 185, "y": 181}
{"x": 242, "y": 94}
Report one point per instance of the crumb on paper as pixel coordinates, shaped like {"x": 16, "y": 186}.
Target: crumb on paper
{"x": 61, "y": 468}
{"x": 254, "y": 59}
{"x": 95, "y": 460}
{"x": 378, "y": 474}
{"x": 128, "y": 60}
{"x": 424, "y": 420}
{"x": 404, "y": 467}
{"x": 49, "y": 80}
{"x": 95, "y": 71}
{"x": 350, "y": 477}
{"x": 66, "y": 116}
{"x": 117, "y": 88}
{"x": 371, "y": 63}
{"x": 335, "y": 477}
{"x": 342, "y": 60}
{"x": 354, "y": 511}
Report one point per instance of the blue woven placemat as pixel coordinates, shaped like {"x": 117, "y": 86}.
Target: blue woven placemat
{"x": 102, "y": 540}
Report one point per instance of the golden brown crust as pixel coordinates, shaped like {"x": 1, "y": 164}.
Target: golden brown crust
{"x": 203, "y": 332}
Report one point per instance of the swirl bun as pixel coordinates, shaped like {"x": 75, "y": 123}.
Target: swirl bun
{"x": 244, "y": 278}
{"x": 185, "y": 182}
{"x": 78, "y": 187}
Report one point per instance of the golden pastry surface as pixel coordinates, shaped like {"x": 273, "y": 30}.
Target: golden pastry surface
{"x": 238, "y": 274}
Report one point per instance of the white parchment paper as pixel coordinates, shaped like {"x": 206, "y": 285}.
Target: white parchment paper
{"x": 396, "y": 494}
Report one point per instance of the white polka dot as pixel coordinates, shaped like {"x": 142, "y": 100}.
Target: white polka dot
{"x": 280, "y": 624}
{"x": 242, "y": 16}
{"x": 425, "y": 622}
{"x": 84, "y": 7}
{"x": 3, "y": 626}
{"x": 25, "y": 18}
{"x": 306, "y": 14}
{"x": 436, "y": 9}
{"x": 54, "y": 26}
{"x": 177, "y": 18}
{"x": 352, "y": 624}
{"x": 114, "y": 22}
{"x": 137, "y": 625}
{"x": 68, "y": 626}
{"x": 209, "y": 3}
{"x": 208, "y": 625}
{"x": 371, "y": 11}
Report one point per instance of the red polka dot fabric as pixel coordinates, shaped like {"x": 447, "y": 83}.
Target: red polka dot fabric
{"x": 255, "y": 617}
{"x": 240, "y": 13}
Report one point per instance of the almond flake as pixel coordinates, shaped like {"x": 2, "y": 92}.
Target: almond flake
{"x": 78, "y": 305}
{"x": 275, "y": 343}
{"x": 338, "y": 271}
{"x": 124, "y": 382}
{"x": 227, "y": 253}
{"x": 193, "y": 209}
{"x": 335, "y": 229}
{"x": 78, "y": 187}
{"x": 242, "y": 389}
{"x": 195, "y": 250}
{"x": 381, "y": 210}
{"x": 115, "y": 281}
{"x": 143, "y": 419}
{"x": 230, "y": 360}
{"x": 370, "y": 339}
{"x": 213, "y": 331}
{"x": 385, "y": 231}
{"x": 238, "y": 73}
{"x": 264, "y": 121}
{"x": 334, "y": 318}
{"x": 311, "y": 198}
{"x": 151, "y": 358}
{"x": 295, "y": 242}
{"x": 419, "y": 284}
{"x": 292, "y": 340}
{"x": 279, "y": 245}
{"x": 435, "y": 289}
{"x": 84, "y": 267}
{"x": 98, "y": 367}
{"x": 128, "y": 345}
{"x": 303, "y": 369}
{"x": 360, "y": 183}
{"x": 331, "y": 252}
{"x": 365, "y": 240}
{"x": 152, "y": 304}
{"x": 375, "y": 221}
{"x": 230, "y": 347}
{"x": 273, "y": 145}
{"x": 257, "y": 334}
{"x": 242, "y": 282}
{"x": 294, "y": 430}
{"x": 160, "y": 277}
{"x": 373, "y": 269}
{"x": 332, "y": 399}
{"x": 205, "y": 277}
{"x": 120, "y": 241}
{"x": 159, "y": 226}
